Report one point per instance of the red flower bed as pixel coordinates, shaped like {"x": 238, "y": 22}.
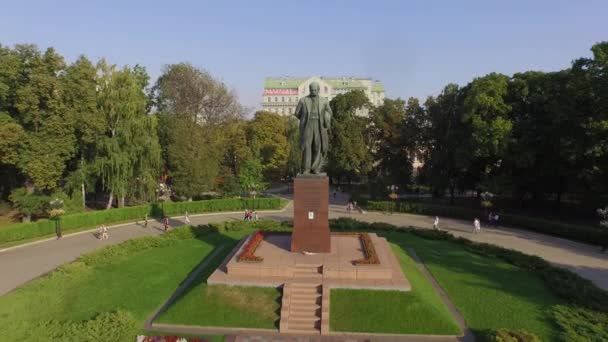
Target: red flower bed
{"x": 248, "y": 253}
{"x": 371, "y": 257}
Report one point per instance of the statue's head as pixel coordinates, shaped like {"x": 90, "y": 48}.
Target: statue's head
{"x": 314, "y": 89}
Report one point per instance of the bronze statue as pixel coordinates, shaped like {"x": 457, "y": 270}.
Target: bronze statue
{"x": 314, "y": 114}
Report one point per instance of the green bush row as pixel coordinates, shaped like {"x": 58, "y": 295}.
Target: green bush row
{"x": 73, "y": 222}
{"x": 587, "y": 234}
{"x": 564, "y": 283}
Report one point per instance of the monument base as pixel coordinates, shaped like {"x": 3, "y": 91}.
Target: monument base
{"x": 311, "y": 214}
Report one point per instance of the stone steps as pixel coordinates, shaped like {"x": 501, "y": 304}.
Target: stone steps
{"x": 301, "y": 308}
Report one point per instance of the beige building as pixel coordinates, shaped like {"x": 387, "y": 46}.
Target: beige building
{"x": 281, "y": 95}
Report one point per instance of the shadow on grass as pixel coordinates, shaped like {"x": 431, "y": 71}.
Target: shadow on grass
{"x": 197, "y": 275}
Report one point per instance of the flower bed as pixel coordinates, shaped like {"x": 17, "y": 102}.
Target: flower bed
{"x": 248, "y": 253}
{"x": 371, "y": 257}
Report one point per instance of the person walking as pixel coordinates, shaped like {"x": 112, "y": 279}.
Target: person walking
{"x": 146, "y": 221}
{"x": 436, "y": 223}
{"x": 496, "y": 217}
{"x": 187, "y": 218}
{"x": 477, "y": 226}
{"x": 104, "y": 232}
{"x": 166, "y": 224}
{"x": 255, "y": 215}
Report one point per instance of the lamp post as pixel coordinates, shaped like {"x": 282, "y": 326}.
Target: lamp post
{"x": 392, "y": 189}
{"x": 55, "y": 213}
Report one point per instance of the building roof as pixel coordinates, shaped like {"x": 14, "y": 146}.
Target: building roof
{"x": 335, "y": 82}
{"x": 283, "y": 83}
{"x": 377, "y": 87}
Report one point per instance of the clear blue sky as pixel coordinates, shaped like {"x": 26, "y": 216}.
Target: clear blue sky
{"x": 413, "y": 47}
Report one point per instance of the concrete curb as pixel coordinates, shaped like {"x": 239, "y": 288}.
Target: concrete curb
{"x": 130, "y": 223}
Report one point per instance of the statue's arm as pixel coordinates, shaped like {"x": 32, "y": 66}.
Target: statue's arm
{"x": 328, "y": 115}
{"x": 298, "y": 112}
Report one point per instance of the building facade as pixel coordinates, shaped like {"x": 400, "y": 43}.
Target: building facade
{"x": 281, "y": 95}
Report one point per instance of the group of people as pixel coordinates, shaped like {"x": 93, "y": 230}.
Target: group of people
{"x": 250, "y": 215}
{"x": 352, "y": 206}
{"x": 476, "y": 224}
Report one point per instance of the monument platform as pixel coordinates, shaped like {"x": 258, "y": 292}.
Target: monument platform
{"x": 336, "y": 269}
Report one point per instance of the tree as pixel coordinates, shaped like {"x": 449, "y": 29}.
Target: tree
{"x": 349, "y": 155}
{"x": 444, "y": 142}
{"x": 35, "y": 103}
{"x": 195, "y": 110}
{"x": 486, "y": 114}
{"x": 128, "y": 155}
{"x": 390, "y": 148}
{"x": 80, "y": 99}
{"x": 268, "y": 140}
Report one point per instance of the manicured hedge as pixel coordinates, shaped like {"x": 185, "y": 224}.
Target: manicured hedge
{"x": 81, "y": 221}
{"x": 587, "y": 234}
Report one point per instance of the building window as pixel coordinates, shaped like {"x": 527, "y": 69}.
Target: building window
{"x": 269, "y": 99}
{"x": 282, "y": 99}
{"x": 291, "y": 110}
{"x": 276, "y": 99}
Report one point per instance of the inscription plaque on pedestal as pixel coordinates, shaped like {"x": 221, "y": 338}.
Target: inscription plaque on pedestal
{"x": 310, "y": 214}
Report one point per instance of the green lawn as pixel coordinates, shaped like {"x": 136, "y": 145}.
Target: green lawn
{"x": 419, "y": 311}
{"x": 490, "y": 293}
{"x": 136, "y": 283}
{"x": 226, "y": 306}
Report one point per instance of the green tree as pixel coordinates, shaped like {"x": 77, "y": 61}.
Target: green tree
{"x": 487, "y": 115}
{"x": 268, "y": 140}
{"x": 444, "y": 148}
{"x": 391, "y": 149}
{"x": 349, "y": 156}
{"x": 195, "y": 112}
{"x": 128, "y": 155}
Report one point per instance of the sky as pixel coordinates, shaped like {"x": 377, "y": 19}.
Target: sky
{"x": 414, "y": 48}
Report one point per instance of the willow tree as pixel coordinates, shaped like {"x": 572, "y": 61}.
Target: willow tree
{"x": 128, "y": 154}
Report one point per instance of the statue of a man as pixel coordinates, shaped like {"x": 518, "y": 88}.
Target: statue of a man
{"x": 314, "y": 114}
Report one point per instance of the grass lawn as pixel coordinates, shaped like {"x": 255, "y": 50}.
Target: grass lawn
{"x": 222, "y": 305}
{"x": 419, "y": 311}
{"x": 490, "y": 293}
{"x": 226, "y": 306}
{"x": 136, "y": 283}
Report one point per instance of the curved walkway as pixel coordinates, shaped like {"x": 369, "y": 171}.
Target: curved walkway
{"x": 21, "y": 264}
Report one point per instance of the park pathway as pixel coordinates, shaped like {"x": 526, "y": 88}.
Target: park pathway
{"x": 21, "y": 264}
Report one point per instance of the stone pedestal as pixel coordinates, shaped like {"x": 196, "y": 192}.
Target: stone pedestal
{"x": 310, "y": 214}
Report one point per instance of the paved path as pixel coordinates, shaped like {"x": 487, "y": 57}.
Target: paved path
{"x": 21, "y": 264}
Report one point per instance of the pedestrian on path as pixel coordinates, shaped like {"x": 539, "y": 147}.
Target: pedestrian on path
{"x": 166, "y": 224}
{"x": 146, "y": 221}
{"x": 187, "y": 218}
{"x": 255, "y": 215}
{"x": 477, "y": 226}
{"x": 496, "y": 217}
{"x": 436, "y": 223}
{"x": 104, "y": 232}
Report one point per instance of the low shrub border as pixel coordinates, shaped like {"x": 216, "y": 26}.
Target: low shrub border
{"x": 81, "y": 221}
{"x": 586, "y": 234}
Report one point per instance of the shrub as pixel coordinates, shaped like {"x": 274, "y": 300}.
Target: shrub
{"x": 248, "y": 253}
{"x": 587, "y": 234}
{"x": 504, "y": 335}
{"x": 578, "y": 324}
{"x": 74, "y": 222}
